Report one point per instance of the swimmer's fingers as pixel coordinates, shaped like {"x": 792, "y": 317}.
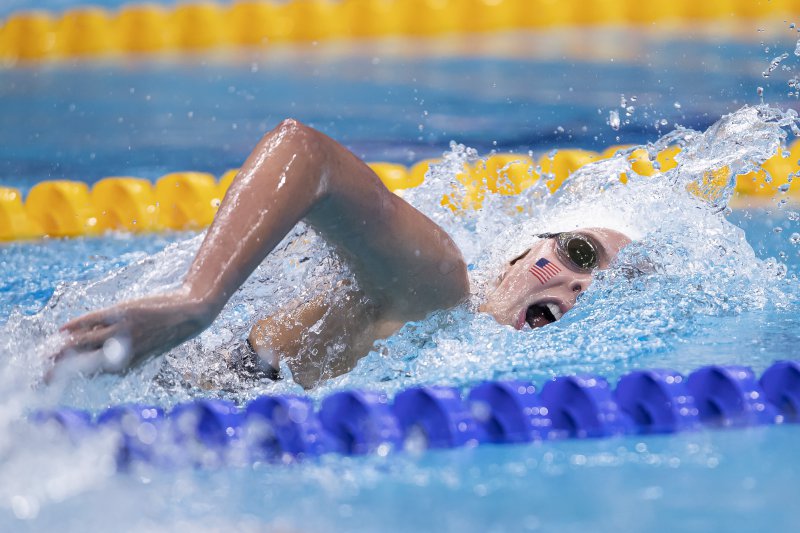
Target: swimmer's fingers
{"x": 80, "y": 353}
{"x": 84, "y": 341}
{"x": 91, "y": 321}
{"x": 86, "y": 363}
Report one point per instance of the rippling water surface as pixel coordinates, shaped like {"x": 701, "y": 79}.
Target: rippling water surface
{"x": 702, "y": 284}
{"x": 700, "y": 294}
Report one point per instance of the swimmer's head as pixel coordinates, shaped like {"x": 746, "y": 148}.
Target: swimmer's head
{"x": 540, "y": 285}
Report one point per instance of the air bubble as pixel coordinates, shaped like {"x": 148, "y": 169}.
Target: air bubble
{"x": 613, "y": 120}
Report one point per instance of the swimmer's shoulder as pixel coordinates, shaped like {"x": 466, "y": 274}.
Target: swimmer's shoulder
{"x": 384, "y": 327}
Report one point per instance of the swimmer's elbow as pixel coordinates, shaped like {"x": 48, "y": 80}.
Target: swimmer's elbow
{"x": 316, "y": 150}
{"x": 291, "y": 125}
{"x": 293, "y": 131}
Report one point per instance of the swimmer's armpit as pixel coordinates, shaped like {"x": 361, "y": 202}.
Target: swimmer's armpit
{"x": 243, "y": 357}
{"x": 261, "y": 365}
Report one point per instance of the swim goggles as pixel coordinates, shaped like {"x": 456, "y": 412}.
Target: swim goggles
{"x": 576, "y": 249}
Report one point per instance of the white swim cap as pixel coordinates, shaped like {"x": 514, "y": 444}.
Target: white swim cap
{"x": 591, "y": 217}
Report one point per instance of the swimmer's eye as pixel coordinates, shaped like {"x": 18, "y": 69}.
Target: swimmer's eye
{"x": 519, "y": 257}
{"x": 577, "y": 249}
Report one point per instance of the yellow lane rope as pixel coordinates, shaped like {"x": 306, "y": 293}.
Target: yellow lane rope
{"x": 189, "y": 200}
{"x": 203, "y": 25}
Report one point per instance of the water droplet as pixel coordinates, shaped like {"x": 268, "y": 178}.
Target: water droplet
{"x": 775, "y": 63}
{"x": 676, "y": 105}
{"x": 613, "y": 120}
{"x": 795, "y": 238}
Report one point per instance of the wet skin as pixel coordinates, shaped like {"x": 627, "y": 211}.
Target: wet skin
{"x": 406, "y": 266}
{"x": 518, "y": 289}
{"x": 518, "y": 298}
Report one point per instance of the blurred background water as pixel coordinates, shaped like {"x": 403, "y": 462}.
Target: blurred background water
{"x": 402, "y": 100}
{"x": 392, "y": 100}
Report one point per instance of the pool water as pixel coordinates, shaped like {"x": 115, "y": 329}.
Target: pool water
{"x": 722, "y": 290}
{"x": 386, "y": 100}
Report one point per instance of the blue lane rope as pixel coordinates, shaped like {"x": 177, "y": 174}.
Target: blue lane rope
{"x": 281, "y": 428}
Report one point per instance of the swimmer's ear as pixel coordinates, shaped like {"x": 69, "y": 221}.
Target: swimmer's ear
{"x": 522, "y": 255}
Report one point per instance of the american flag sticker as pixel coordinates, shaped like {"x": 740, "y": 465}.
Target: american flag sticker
{"x": 544, "y": 270}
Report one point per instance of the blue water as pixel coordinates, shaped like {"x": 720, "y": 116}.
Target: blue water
{"x": 146, "y": 117}
{"x": 733, "y": 481}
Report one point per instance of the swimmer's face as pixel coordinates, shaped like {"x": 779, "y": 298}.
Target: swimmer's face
{"x": 542, "y": 284}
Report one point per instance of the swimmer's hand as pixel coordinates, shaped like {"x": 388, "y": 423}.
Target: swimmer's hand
{"x": 116, "y": 338}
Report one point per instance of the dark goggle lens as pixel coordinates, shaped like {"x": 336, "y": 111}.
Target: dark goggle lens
{"x": 580, "y": 251}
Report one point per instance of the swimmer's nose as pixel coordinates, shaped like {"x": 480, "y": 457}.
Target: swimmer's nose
{"x": 570, "y": 286}
{"x": 577, "y": 286}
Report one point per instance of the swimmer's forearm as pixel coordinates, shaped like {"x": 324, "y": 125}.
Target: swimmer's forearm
{"x": 277, "y": 185}
{"x": 397, "y": 253}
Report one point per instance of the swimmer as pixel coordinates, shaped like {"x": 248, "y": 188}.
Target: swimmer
{"x": 405, "y": 265}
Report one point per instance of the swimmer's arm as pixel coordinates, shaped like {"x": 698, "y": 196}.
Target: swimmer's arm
{"x": 283, "y": 336}
{"x": 279, "y": 335}
{"x": 400, "y": 257}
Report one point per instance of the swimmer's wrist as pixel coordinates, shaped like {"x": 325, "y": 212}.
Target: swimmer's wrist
{"x": 200, "y": 306}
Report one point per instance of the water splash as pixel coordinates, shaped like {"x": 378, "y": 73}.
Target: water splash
{"x": 689, "y": 270}
{"x": 774, "y": 64}
{"x": 690, "y": 263}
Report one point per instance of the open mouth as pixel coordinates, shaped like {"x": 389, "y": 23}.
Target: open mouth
{"x": 541, "y": 314}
